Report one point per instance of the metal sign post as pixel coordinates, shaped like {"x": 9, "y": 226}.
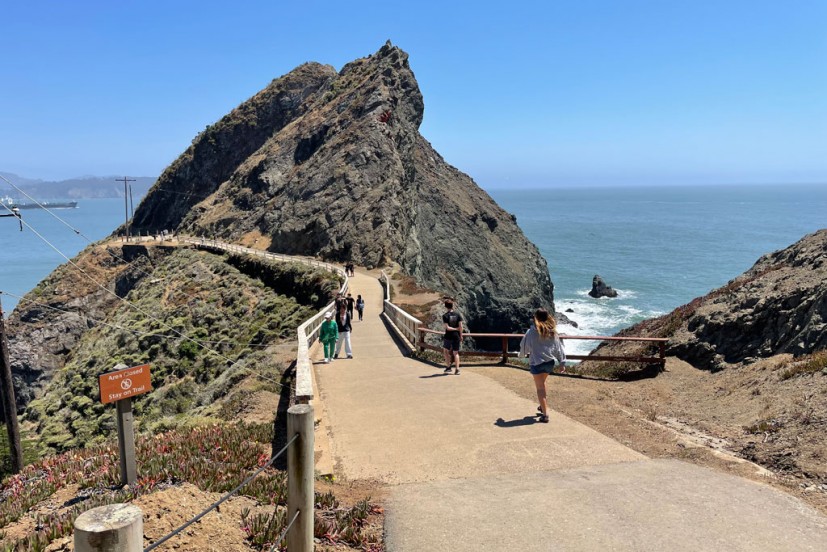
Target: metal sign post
{"x": 119, "y": 387}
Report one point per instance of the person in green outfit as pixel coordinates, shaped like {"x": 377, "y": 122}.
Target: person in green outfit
{"x": 328, "y": 334}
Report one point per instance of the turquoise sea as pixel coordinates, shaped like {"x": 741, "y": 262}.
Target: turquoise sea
{"x": 660, "y": 247}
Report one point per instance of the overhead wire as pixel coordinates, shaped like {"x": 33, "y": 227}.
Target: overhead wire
{"x": 138, "y": 309}
{"x": 90, "y": 241}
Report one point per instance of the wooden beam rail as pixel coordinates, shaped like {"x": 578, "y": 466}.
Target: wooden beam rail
{"x": 505, "y": 354}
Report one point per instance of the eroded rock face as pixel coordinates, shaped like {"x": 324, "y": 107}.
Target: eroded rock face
{"x": 778, "y": 306}
{"x": 332, "y": 164}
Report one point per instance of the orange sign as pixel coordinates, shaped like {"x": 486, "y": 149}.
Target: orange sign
{"x": 125, "y": 383}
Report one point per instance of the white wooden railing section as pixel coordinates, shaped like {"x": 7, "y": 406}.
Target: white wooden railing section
{"x": 406, "y": 326}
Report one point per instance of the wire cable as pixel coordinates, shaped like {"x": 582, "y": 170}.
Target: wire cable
{"x": 217, "y": 503}
{"x": 89, "y": 240}
{"x": 138, "y": 309}
{"x": 286, "y": 530}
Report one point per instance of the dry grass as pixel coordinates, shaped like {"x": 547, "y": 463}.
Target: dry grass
{"x": 808, "y": 364}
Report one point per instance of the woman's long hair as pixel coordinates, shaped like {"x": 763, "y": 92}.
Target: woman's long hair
{"x": 545, "y": 323}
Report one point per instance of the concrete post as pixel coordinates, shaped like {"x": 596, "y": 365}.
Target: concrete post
{"x": 112, "y": 528}
{"x": 300, "y": 478}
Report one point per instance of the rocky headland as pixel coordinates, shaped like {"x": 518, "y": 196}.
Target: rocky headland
{"x": 332, "y": 164}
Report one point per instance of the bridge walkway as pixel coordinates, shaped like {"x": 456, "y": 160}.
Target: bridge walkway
{"x": 469, "y": 468}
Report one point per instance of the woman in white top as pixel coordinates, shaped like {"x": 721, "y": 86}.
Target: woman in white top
{"x": 543, "y": 347}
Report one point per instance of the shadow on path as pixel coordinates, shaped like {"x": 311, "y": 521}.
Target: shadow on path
{"x": 526, "y": 420}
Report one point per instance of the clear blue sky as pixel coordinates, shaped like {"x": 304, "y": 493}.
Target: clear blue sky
{"x": 573, "y": 92}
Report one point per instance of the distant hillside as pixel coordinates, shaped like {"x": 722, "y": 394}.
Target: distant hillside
{"x": 83, "y": 187}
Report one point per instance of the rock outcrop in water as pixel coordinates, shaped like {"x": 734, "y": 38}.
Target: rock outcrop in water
{"x": 600, "y": 289}
{"x": 332, "y": 164}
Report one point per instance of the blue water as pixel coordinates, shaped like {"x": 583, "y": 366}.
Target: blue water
{"x": 660, "y": 247}
{"x": 25, "y": 259}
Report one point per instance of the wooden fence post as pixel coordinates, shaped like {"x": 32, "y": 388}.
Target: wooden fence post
{"x": 112, "y": 528}
{"x": 300, "y": 478}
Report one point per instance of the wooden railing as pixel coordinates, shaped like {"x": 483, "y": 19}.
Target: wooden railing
{"x": 405, "y": 325}
{"x": 505, "y": 354}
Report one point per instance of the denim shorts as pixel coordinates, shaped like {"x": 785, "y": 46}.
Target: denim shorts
{"x": 544, "y": 368}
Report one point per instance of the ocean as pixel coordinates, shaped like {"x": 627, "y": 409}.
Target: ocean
{"x": 659, "y": 247}
{"x": 25, "y": 259}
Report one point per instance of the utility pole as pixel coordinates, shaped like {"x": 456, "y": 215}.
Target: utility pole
{"x": 126, "y": 194}
{"x": 9, "y": 403}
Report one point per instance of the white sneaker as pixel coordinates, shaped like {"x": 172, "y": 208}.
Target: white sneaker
{"x": 327, "y": 361}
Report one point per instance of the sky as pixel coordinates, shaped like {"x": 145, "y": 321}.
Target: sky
{"x": 518, "y": 94}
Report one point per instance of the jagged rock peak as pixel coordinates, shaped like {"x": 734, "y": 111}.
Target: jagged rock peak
{"x": 332, "y": 164}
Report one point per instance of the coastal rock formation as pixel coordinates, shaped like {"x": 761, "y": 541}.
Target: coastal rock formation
{"x": 332, "y": 164}
{"x": 600, "y": 289}
{"x": 777, "y": 306}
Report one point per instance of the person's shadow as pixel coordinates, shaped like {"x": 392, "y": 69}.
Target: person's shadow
{"x": 527, "y": 420}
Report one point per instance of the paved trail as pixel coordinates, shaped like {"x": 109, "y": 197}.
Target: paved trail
{"x": 470, "y": 469}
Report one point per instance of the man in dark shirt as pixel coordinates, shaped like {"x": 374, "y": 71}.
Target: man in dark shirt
{"x": 349, "y": 300}
{"x": 452, "y": 337}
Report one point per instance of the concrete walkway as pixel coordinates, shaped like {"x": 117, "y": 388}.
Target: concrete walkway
{"x": 471, "y": 469}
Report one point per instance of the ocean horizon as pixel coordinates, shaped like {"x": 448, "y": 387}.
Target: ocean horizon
{"x": 658, "y": 246}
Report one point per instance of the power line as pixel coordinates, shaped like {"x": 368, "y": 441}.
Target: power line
{"x": 150, "y": 316}
{"x": 90, "y": 241}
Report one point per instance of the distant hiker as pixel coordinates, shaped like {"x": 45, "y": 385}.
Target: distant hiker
{"x": 350, "y": 301}
{"x": 360, "y": 306}
{"x": 351, "y": 268}
{"x": 343, "y": 320}
{"x": 338, "y": 301}
{"x": 328, "y": 334}
{"x": 543, "y": 347}
{"x": 452, "y": 337}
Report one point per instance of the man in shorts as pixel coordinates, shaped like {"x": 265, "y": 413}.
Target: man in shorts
{"x": 452, "y": 337}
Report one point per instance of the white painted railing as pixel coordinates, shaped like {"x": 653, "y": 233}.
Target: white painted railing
{"x": 405, "y": 325}
{"x": 308, "y": 332}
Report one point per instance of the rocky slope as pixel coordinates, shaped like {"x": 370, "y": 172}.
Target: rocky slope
{"x": 239, "y": 314}
{"x": 332, "y": 164}
{"x": 777, "y": 306}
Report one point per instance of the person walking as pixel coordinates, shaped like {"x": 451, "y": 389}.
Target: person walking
{"x": 350, "y": 301}
{"x": 452, "y": 337}
{"x": 344, "y": 327}
{"x": 360, "y": 306}
{"x": 328, "y": 334}
{"x": 543, "y": 347}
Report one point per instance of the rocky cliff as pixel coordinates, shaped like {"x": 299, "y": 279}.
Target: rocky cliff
{"x": 778, "y": 306}
{"x": 332, "y": 164}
